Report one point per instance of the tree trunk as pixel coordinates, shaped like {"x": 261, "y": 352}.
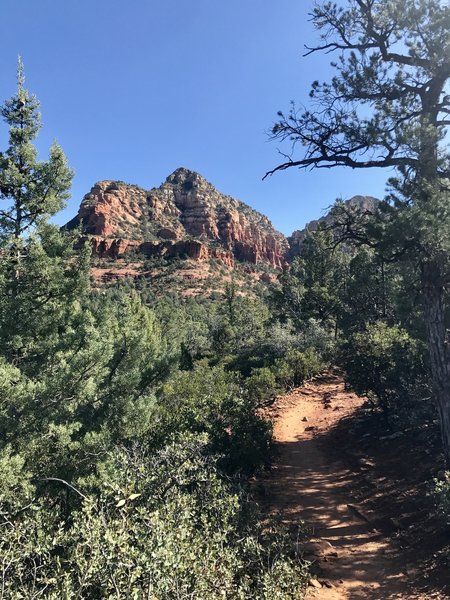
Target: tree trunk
{"x": 438, "y": 343}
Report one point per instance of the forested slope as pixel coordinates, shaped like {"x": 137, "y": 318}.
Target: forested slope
{"x": 131, "y": 412}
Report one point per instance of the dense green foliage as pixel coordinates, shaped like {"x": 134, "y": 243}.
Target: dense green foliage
{"x": 386, "y": 364}
{"x": 127, "y": 433}
{"x": 441, "y": 493}
{"x": 129, "y": 422}
{"x": 375, "y": 320}
{"x": 162, "y": 525}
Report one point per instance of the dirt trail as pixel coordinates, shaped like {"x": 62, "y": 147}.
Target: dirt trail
{"x": 351, "y": 558}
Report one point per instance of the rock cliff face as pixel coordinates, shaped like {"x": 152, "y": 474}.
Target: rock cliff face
{"x": 186, "y": 217}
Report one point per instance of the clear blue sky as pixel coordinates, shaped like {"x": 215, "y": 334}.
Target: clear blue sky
{"x": 132, "y": 90}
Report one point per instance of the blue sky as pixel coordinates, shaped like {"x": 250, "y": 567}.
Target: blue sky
{"x": 132, "y": 90}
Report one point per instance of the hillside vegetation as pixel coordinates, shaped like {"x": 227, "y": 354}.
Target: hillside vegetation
{"x": 131, "y": 413}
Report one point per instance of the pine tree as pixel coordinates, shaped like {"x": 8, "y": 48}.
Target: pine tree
{"x": 312, "y": 287}
{"x": 77, "y": 369}
{"x": 388, "y": 105}
{"x": 33, "y": 190}
{"x": 35, "y": 268}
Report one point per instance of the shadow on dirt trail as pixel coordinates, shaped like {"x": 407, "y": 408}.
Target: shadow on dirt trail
{"x": 372, "y": 536}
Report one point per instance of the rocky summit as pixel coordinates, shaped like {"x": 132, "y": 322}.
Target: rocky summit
{"x": 135, "y": 232}
{"x": 185, "y": 217}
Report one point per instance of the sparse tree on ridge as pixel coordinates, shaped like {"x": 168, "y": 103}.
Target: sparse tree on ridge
{"x": 388, "y": 105}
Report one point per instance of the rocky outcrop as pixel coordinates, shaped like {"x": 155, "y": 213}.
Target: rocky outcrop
{"x": 360, "y": 203}
{"x": 110, "y": 208}
{"x": 185, "y": 216}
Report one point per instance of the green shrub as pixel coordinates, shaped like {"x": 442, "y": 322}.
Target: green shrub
{"x": 265, "y": 383}
{"x": 163, "y": 525}
{"x": 262, "y": 385}
{"x": 283, "y": 373}
{"x": 296, "y": 367}
{"x": 441, "y": 493}
{"x": 209, "y": 400}
{"x": 385, "y": 363}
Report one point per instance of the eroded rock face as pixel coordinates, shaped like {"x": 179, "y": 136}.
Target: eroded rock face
{"x": 185, "y": 216}
{"x": 109, "y": 208}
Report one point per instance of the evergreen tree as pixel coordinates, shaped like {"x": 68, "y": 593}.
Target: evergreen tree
{"x": 77, "y": 369}
{"x": 313, "y": 286}
{"x": 34, "y": 271}
{"x": 33, "y": 190}
{"x": 369, "y": 292}
{"x": 388, "y": 105}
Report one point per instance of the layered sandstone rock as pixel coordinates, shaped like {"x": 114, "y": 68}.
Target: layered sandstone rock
{"x": 185, "y": 216}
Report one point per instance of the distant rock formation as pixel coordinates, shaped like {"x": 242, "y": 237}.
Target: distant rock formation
{"x": 361, "y": 203}
{"x": 185, "y": 217}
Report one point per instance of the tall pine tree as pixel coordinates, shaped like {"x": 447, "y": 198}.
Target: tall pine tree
{"x": 388, "y": 105}
{"x": 34, "y": 257}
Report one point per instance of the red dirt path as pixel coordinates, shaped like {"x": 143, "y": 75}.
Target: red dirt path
{"x": 351, "y": 556}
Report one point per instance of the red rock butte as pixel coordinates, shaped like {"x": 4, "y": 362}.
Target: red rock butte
{"x": 185, "y": 217}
